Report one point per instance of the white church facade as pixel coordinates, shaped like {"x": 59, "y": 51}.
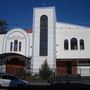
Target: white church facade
{"x": 64, "y": 46}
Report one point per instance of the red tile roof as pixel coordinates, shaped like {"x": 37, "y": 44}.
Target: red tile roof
{"x": 29, "y": 31}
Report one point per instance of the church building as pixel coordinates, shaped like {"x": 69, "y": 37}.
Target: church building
{"x": 64, "y": 46}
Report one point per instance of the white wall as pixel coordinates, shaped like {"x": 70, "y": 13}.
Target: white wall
{"x": 67, "y": 31}
{"x": 30, "y": 44}
{"x": 2, "y": 68}
{"x": 1, "y": 42}
{"x": 21, "y": 36}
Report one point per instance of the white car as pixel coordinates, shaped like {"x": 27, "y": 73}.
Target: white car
{"x": 7, "y": 80}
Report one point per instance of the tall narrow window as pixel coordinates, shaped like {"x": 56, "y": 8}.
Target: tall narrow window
{"x": 19, "y": 46}
{"x": 15, "y": 45}
{"x": 11, "y": 46}
{"x": 81, "y": 44}
{"x": 43, "y": 35}
{"x": 65, "y": 44}
{"x": 74, "y": 45}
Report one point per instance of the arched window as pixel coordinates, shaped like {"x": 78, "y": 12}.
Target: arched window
{"x": 81, "y": 44}
{"x": 43, "y": 35}
{"x": 11, "y": 46}
{"x": 15, "y": 45}
{"x": 65, "y": 44}
{"x": 19, "y": 46}
{"x": 74, "y": 44}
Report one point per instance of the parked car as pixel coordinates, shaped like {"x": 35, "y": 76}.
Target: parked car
{"x": 7, "y": 80}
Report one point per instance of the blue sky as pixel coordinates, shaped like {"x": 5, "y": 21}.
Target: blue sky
{"x": 18, "y": 13}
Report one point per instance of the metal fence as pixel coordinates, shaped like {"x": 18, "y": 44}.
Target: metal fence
{"x": 83, "y": 71}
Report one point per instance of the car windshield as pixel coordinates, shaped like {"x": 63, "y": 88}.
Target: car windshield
{"x": 12, "y": 78}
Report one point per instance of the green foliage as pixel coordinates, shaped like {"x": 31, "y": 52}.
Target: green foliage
{"x": 35, "y": 77}
{"x": 27, "y": 76}
{"x": 3, "y": 26}
{"x": 45, "y": 71}
{"x": 23, "y": 74}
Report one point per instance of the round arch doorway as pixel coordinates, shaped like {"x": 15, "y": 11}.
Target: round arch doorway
{"x": 14, "y": 65}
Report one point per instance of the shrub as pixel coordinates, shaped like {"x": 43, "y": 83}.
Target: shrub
{"x": 45, "y": 71}
{"x": 23, "y": 74}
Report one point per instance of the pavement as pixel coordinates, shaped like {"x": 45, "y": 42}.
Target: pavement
{"x": 45, "y": 83}
{"x": 40, "y": 85}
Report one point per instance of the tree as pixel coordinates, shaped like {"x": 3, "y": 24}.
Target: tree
{"x": 45, "y": 71}
{"x": 3, "y": 26}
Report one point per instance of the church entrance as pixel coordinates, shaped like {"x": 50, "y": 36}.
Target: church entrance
{"x": 14, "y": 65}
{"x": 66, "y": 67}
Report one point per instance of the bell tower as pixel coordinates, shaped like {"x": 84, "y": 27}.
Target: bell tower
{"x": 44, "y": 37}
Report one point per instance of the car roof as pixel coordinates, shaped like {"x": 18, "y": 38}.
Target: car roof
{"x": 6, "y": 74}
